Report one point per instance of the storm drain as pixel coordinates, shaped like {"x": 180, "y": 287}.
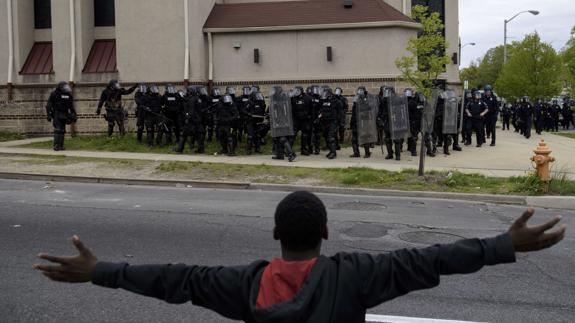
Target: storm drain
{"x": 429, "y": 237}
{"x": 359, "y": 206}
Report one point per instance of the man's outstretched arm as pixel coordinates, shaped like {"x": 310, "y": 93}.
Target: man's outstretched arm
{"x": 386, "y": 276}
{"x": 218, "y": 288}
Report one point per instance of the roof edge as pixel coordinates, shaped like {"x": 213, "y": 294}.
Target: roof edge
{"x": 357, "y": 25}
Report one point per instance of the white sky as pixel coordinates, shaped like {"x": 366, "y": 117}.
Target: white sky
{"x": 481, "y": 22}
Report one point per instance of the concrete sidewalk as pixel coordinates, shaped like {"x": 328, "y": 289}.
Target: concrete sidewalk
{"x": 511, "y": 157}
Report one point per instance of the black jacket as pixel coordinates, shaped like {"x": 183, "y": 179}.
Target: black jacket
{"x": 338, "y": 289}
{"x": 112, "y": 98}
{"x": 60, "y": 105}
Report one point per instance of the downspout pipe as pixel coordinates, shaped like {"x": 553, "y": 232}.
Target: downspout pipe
{"x": 186, "y": 43}
{"x": 72, "y": 44}
{"x": 10, "y": 49}
{"x": 210, "y": 61}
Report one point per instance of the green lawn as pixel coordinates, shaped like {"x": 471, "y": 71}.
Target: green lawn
{"x": 10, "y": 136}
{"x": 566, "y": 134}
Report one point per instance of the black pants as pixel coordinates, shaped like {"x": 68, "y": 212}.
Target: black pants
{"x": 59, "y": 124}
{"x": 225, "y": 136}
{"x": 140, "y": 122}
{"x": 254, "y": 132}
{"x": 316, "y": 136}
{"x": 174, "y": 126}
{"x": 506, "y": 123}
{"x": 477, "y": 126}
{"x": 538, "y": 125}
{"x": 193, "y": 133}
{"x": 330, "y": 134}
{"x": 153, "y": 124}
{"x": 491, "y": 126}
{"x": 305, "y": 127}
{"x": 526, "y": 129}
{"x": 115, "y": 117}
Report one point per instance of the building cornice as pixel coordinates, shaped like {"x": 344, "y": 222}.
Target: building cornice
{"x": 374, "y": 24}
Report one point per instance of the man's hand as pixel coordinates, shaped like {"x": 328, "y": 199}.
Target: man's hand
{"x": 76, "y": 269}
{"x": 527, "y": 239}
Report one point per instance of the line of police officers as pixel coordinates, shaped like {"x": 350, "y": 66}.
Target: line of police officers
{"x": 385, "y": 119}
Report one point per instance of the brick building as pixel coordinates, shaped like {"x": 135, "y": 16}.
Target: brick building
{"x": 212, "y": 42}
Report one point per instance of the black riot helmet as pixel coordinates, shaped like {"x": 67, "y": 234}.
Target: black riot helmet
{"x": 276, "y": 90}
{"x": 477, "y": 95}
{"x": 327, "y": 93}
{"x": 64, "y": 87}
{"x": 315, "y": 90}
{"x": 192, "y": 90}
{"x": 154, "y": 89}
{"x": 361, "y": 91}
{"x": 255, "y": 88}
{"x": 202, "y": 91}
{"x": 298, "y": 91}
{"x": 114, "y": 85}
{"x": 142, "y": 88}
{"x": 170, "y": 89}
{"x": 259, "y": 97}
{"x": 227, "y": 99}
{"x": 308, "y": 90}
{"x": 408, "y": 93}
{"x": 230, "y": 90}
{"x": 216, "y": 92}
{"x": 525, "y": 99}
{"x": 338, "y": 91}
{"x": 246, "y": 90}
{"x": 386, "y": 91}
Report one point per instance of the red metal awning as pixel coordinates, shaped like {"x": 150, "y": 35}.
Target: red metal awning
{"x": 39, "y": 60}
{"x": 102, "y": 58}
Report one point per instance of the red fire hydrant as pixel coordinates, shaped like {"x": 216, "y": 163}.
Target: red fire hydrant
{"x": 542, "y": 160}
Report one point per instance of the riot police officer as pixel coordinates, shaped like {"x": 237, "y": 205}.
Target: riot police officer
{"x": 193, "y": 127}
{"x": 173, "y": 110}
{"x": 329, "y": 119}
{"x": 363, "y": 120}
{"x": 302, "y": 110}
{"x": 384, "y": 123}
{"x": 60, "y": 111}
{"x": 567, "y": 113}
{"x": 506, "y": 116}
{"x": 526, "y": 117}
{"x": 315, "y": 93}
{"x": 226, "y": 115}
{"x": 492, "y": 103}
{"x": 476, "y": 111}
{"x": 256, "y": 126}
{"x": 154, "y": 117}
{"x": 539, "y": 117}
{"x": 209, "y": 119}
{"x": 140, "y": 98}
{"x": 415, "y": 106}
{"x": 112, "y": 99}
{"x": 343, "y": 115}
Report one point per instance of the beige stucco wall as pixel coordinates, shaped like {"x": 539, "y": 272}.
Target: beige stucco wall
{"x": 4, "y": 41}
{"x": 61, "y": 42}
{"x": 150, "y": 44}
{"x": 452, "y": 37}
{"x": 23, "y": 19}
{"x": 198, "y": 14}
{"x": 302, "y": 55}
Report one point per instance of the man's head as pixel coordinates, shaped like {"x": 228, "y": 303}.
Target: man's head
{"x": 300, "y": 222}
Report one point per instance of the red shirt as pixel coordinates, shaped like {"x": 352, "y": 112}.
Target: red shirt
{"x": 282, "y": 280}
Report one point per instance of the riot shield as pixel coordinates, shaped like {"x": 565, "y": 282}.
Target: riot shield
{"x": 281, "y": 121}
{"x": 398, "y": 117}
{"x": 366, "y": 115}
{"x": 428, "y": 119}
{"x": 450, "y": 113}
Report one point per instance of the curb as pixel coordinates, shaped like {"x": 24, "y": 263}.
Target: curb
{"x": 547, "y": 202}
{"x": 125, "y": 181}
{"x": 484, "y": 198}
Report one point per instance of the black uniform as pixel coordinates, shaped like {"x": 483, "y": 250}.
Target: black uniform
{"x": 316, "y": 127}
{"x": 526, "y": 116}
{"x": 415, "y": 113}
{"x": 330, "y": 118}
{"x": 302, "y": 111}
{"x": 192, "y": 125}
{"x": 475, "y": 109}
{"x": 111, "y": 98}
{"x": 354, "y": 131}
{"x": 554, "y": 111}
{"x": 567, "y": 116}
{"x": 256, "y": 126}
{"x": 539, "y": 117}
{"x": 383, "y": 123}
{"x": 60, "y": 110}
{"x": 140, "y": 98}
{"x": 505, "y": 117}
{"x": 226, "y": 115}
{"x": 343, "y": 119}
{"x": 173, "y": 107}
{"x": 491, "y": 116}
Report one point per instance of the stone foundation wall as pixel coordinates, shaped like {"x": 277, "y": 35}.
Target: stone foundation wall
{"x": 26, "y": 113}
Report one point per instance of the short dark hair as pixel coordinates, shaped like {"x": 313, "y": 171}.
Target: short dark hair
{"x": 301, "y": 221}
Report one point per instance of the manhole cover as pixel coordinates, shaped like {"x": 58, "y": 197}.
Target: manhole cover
{"x": 429, "y": 237}
{"x": 366, "y": 230}
{"x": 359, "y": 206}
{"x": 377, "y": 245}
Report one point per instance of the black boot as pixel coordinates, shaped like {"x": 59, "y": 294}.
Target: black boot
{"x": 56, "y": 145}
{"x": 367, "y": 152}
{"x": 139, "y": 135}
{"x": 355, "y": 148}
{"x": 110, "y": 130}
{"x": 289, "y": 151}
{"x": 398, "y": 151}
{"x": 389, "y": 147}
{"x": 446, "y": 150}
{"x": 150, "y": 139}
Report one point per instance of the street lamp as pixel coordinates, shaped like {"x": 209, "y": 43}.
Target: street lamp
{"x": 533, "y": 12}
{"x": 472, "y": 44}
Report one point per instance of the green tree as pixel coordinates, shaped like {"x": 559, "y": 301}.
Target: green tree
{"x": 568, "y": 60}
{"x": 533, "y": 69}
{"x": 471, "y": 74}
{"x": 485, "y": 70}
{"x": 427, "y": 61}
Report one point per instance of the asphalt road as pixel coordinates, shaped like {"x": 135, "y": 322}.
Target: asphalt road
{"x": 224, "y": 227}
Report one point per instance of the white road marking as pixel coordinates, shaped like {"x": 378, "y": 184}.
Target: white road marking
{"x": 372, "y": 318}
